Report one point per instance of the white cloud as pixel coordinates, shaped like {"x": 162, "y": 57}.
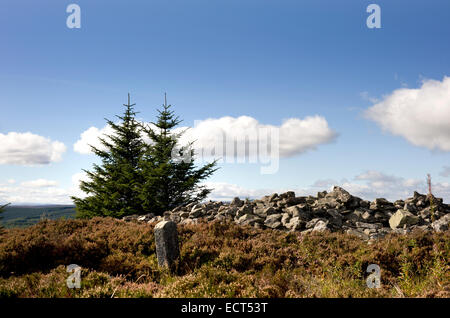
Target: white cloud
{"x": 90, "y": 137}
{"x": 29, "y": 149}
{"x": 377, "y": 184}
{"x": 295, "y": 135}
{"x": 421, "y": 116}
{"x": 39, "y": 183}
{"x": 34, "y": 195}
{"x": 223, "y": 191}
{"x": 41, "y": 191}
{"x": 78, "y": 177}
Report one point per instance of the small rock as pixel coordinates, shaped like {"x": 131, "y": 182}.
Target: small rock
{"x": 358, "y": 233}
{"x": 374, "y": 226}
{"x": 322, "y": 194}
{"x": 321, "y": 226}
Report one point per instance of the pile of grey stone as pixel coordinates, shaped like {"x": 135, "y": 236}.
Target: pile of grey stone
{"x": 337, "y": 210}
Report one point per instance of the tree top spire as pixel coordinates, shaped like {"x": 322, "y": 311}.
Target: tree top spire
{"x": 128, "y": 105}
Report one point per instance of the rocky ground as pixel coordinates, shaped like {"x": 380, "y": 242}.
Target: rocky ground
{"x": 337, "y": 210}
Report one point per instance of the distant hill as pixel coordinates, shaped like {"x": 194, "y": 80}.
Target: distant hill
{"x": 26, "y": 215}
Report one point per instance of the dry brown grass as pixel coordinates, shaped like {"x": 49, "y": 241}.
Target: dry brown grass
{"x": 217, "y": 260}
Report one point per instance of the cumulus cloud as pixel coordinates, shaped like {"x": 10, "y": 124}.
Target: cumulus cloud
{"x": 39, "y": 183}
{"x": 90, "y": 137}
{"x": 421, "y": 115}
{"x": 294, "y": 135}
{"x": 29, "y": 149}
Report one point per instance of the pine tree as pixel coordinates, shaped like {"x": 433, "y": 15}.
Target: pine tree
{"x": 2, "y": 209}
{"x": 115, "y": 185}
{"x": 170, "y": 182}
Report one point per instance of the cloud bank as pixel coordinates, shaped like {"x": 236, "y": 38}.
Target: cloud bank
{"x": 296, "y": 136}
{"x": 368, "y": 185}
{"x": 40, "y": 191}
{"x": 421, "y": 116}
{"x": 29, "y": 149}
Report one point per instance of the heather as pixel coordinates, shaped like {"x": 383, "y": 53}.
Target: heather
{"x": 217, "y": 260}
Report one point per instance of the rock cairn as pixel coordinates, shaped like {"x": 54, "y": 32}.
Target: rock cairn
{"x": 337, "y": 210}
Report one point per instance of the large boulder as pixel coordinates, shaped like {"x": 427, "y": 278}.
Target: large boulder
{"x": 298, "y": 211}
{"x": 339, "y": 194}
{"x": 442, "y": 224}
{"x": 245, "y": 209}
{"x": 237, "y": 202}
{"x": 248, "y": 219}
{"x": 273, "y": 221}
{"x": 402, "y": 217}
{"x": 295, "y": 224}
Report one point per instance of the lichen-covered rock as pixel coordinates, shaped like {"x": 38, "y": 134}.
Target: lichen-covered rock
{"x": 401, "y": 218}
{"x": 237, "y": 202}
{"x": 358, "y": 233}
{"x": 166, "y": 239}
{"x": 334, "y": 211}
{"x": 248, "y": 219}
{"x": 321, "y": 226}
{"x": 442, "y": 224}
{"x": 295, "y": 224}
{"x": 273, "y": 221}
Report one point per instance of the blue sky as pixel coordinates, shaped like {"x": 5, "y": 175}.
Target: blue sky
{"x": 269, "y": 60}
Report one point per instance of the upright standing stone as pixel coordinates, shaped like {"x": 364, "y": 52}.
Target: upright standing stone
{"x": 166, "y": 238}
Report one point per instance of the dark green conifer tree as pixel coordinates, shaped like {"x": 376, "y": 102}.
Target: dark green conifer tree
{"x": 2, "y": 209}
{"x": 114, "y": 186}
{"x": 170, "y": 180}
